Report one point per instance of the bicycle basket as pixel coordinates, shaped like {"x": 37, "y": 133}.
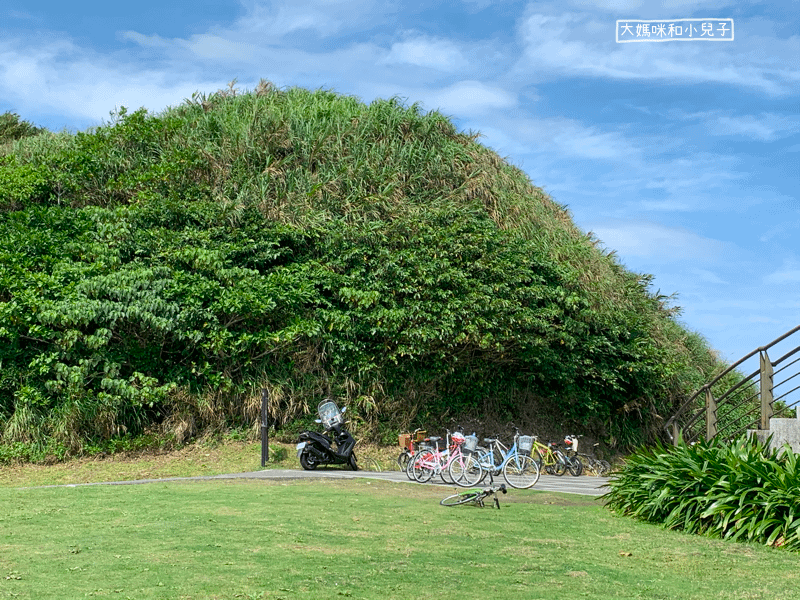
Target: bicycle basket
{"x": 457, "y": 437}
{"x": 525, "y": 444}
{"x": 404, "y": 439}
{"x": 471, "y": 443}
{"x": 421, "y": 434}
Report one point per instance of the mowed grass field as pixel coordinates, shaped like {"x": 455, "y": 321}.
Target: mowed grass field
{"x": 355, "y": 539}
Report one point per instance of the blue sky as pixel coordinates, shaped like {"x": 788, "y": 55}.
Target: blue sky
{"x": 683, "y": 157}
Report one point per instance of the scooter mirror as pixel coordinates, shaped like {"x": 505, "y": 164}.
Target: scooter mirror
{"x": 344, "y": 410}
{"x": 317, "y": 420}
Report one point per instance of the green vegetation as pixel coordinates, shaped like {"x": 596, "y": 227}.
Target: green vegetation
{"x": 156, "y": 272}
{"x": 13, "y": 128}
{"x": 742, "y": 490}
{"x": 356, "y": 539}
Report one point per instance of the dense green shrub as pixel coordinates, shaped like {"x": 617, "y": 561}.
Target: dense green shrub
{"x": 740, "y": 490}
{"x": 13, "y": 128}
{"x": 160, "y": 269}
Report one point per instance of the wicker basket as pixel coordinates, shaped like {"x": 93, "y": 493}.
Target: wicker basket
{"x": 404, "y": 439}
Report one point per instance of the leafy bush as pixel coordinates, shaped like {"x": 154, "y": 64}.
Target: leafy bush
{"x": 741, "y": 490}
{"x": 158, "y": 270}
{"x": 13, "y": 128}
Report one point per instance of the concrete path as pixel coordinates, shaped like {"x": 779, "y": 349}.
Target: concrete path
{"x": 589, "y": 486}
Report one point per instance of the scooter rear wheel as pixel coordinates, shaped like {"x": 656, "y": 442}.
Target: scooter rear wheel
{"x": 308, "y": 461}
{"x": 352, "y": 462}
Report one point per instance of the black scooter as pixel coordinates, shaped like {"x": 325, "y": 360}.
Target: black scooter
{"x": 317, "y": 449}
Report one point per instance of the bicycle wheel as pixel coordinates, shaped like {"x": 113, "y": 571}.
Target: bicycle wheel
{"x": 466, "y": 471}
{"x": 421, "y": 468}
{"x": 402, "y": 460}
{"x": 520, "y": 471}
{"x": 575, "y": 466}
{"x": 605, "y": 468}
{"x": 411, "y": 465}
{"x": 461, "y": 498}
{"x": 590, "y": 466}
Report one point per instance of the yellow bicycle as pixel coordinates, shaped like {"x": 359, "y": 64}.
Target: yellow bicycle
{"x": 548, "y": 457}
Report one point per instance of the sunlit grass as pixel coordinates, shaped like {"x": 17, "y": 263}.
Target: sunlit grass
{"x": 358, "y": 539}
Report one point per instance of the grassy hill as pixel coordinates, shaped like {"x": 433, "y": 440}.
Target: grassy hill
{"x": 156, "y": 272}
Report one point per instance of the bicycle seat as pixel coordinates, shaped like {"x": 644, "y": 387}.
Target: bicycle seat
{"x": 433, "y": 439}
{"x": 489, "y": 440}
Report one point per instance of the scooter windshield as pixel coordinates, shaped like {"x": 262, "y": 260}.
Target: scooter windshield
{"x": 329, "y": 414}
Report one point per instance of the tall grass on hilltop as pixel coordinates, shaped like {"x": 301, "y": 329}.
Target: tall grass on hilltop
{"x": 742, "y": 490}
{"x": 158, "y": 270}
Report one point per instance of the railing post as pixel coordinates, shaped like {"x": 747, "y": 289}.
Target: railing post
{"x": 766, "y": 390}
{"x": 676, "y": 432}
{"x": 711, "y": 415}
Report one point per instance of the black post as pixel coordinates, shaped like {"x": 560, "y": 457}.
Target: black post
{"x": 264, "y": 427}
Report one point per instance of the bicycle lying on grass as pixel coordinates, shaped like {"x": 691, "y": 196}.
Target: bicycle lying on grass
{"x": 476, "y": 497}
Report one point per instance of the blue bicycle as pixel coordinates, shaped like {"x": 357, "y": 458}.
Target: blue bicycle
{"x": 515, "y": 463}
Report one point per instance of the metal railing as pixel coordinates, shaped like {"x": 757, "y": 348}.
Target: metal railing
{"x": 748, "y": 404}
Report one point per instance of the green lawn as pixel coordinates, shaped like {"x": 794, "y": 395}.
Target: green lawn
{"x": 356, "y": 539}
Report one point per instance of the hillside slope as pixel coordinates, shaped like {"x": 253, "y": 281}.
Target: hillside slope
{"x": 157, "y": 271}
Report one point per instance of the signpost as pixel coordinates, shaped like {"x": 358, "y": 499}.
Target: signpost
{"x": 264, "y": 427}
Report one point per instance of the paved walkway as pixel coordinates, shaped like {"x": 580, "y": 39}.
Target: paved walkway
{"x": 589, "y": 486}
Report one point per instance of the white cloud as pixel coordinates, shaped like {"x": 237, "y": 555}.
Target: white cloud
{"x": 426, "y": 52}
{"x": 579, "y": 44}
{"x": 560, "y": 137}
{"x": 661, "y": 9}
{"x": 766, "y": 127}
{"x": 145, "y": 41}
{"x": 789, "y": 274}
{"x": 220, "y": 49}
{"x": 283, "y": 18}
{"x": 466, "y": 98}
{"x": 69, "y": 80}
{"x": 708, "y": 277}
{"x": 658, "y": 243}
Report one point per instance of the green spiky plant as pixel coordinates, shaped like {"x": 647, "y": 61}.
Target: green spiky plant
{"x": 742, "y": 490}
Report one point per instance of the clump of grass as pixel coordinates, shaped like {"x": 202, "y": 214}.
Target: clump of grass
{"x": 740, "y": 490}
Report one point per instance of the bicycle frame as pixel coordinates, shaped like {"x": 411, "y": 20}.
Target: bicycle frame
{"x": 487, "y": 460}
